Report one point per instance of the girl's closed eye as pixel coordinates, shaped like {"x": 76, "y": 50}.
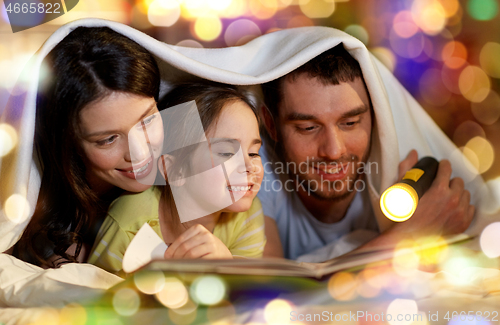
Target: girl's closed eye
{"x": 147, "y": 121}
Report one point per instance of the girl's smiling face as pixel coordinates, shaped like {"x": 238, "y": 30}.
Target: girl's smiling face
{"x": 237, "y": 124}
{"x": 111, "y": 157}
{"x": 234, "y": 143}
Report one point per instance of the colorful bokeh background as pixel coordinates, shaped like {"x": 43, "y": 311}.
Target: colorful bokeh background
{"x": 446, "y": 52}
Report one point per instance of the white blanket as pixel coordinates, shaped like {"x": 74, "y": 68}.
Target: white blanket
{"x": 401, "y": 125}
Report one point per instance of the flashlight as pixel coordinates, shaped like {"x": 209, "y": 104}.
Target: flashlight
{"x": 400, "y": 201}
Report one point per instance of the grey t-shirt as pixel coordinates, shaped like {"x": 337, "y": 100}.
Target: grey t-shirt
{"x": 299, "y": 231}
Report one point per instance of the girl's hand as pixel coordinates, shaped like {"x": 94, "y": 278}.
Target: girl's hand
{"x": 197, "y": 242}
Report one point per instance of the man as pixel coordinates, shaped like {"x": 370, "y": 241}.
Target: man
{"x": 320, "y": 123}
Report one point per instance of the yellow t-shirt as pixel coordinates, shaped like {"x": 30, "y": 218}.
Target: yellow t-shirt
{"x": 242, "y": 232}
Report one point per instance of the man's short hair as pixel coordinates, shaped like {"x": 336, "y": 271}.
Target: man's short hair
{"x": 331, "y": 68}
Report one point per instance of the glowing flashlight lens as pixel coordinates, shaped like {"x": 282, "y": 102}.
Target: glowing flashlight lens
{"x": 399, "y": 202}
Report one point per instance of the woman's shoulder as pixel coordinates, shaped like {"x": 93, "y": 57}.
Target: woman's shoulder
{"x": 133, "y": 207}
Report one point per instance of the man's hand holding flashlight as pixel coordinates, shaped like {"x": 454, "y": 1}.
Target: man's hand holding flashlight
{"x": 444, "y": 209}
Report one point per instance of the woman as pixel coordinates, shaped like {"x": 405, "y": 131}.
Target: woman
{"x": 100, "y": 83}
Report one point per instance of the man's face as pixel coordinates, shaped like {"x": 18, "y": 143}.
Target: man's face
{"x": 325, "y": 131}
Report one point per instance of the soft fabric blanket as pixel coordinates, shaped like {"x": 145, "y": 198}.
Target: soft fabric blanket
{"x": 400, "y": 125}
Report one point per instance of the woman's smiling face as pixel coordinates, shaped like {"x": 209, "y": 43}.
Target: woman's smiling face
{"x": 113, "y": 155}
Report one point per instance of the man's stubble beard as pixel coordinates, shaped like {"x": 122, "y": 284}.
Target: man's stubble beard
{"x": 332, "y": 195}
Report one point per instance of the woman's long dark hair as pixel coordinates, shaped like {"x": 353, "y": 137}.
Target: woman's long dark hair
{"x": 210, "y": 98}
{"x": 85, "y": 66}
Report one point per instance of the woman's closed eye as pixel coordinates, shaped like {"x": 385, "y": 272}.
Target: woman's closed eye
{"x": 107, "y": 141}
{"x": 226, "y": 154}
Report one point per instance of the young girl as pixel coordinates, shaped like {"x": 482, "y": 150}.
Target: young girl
{"x": 222, "y": 180}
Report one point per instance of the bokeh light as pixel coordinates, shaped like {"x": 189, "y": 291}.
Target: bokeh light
{"x": 140, "y": 18}
{"x": 474, "y": 84}
{"x": 342, "y": 286}
{"x": 317, "y": 8}
{"x": 466, "y": 131}
{"x": 454, "y": 54}
{"x": 17, "y": 208}
{"x": 263, "y": 9}
{"x": 406, "y": 260}
{"x": 192, "y": 9}
{"x": 126, "y": 302}
{"x": 451, "y": 7}
{"x": 236, "y": 8}
{"x": 149, "y": 282}
{"x": 404, "y": 25}
{"x": 299, "y": 21}
{"x": 219, "y": 5}
{"x": 429, "y": 15}
{"x": 365, "y": 288}
{"x": 482, "y": 9}
{"x": 182, "y": 318}
{"x": 222, "y": 313}
{"x": 164, "y": 13}
{"x": 73, "y": 314}
{"x": 484, "y": 152}
{"x": 488, "y": 59}
{"x": 450, "y": 78}
{"x": 432, "y": 88}
{"x": 471, "y": 160}
{"x": 188, "y": 308}
{"x": 174, "y": 294}
{"x": 378, "y": 276}
{"x": 468, "y": 158}
{"x": 278, "y": 311}
{"x": 432, "y": 249}
{"x": 240, "y": 32}
{"x": 490, "y": 240}
{"x": 208, "y": 28}
{"x": 8, "y": 139}
{"x": 404, "y": 307}
{"x": 47, "y": 316}
{"x": 454, "y": 266}
{"x": 409, "y": 48}
{"x": 488, "y": 111}
{"x": 385, "y": 56}
{"x": 208, "y": 290}
{"x": 359, "y": 32}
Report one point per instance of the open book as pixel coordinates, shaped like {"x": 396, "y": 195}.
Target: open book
{"x": 146, "y": 252}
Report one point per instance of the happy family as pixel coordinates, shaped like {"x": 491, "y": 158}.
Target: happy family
{"x": 319, "y": 101}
